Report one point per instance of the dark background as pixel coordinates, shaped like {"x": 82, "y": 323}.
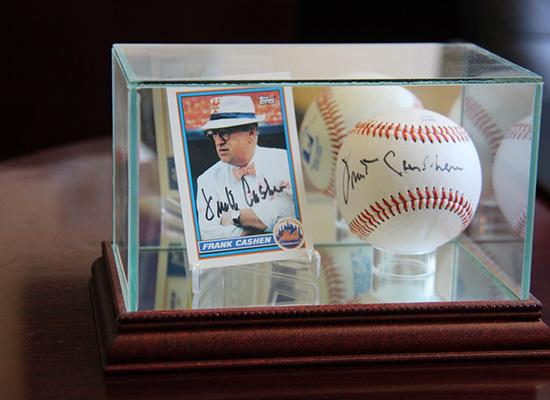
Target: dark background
{"x": 56, "y": 77}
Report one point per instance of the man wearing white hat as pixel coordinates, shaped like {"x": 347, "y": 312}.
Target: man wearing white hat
{"x": 248, "y": 191}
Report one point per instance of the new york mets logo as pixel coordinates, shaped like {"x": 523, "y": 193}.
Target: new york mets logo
{"x": 288, "y": 233}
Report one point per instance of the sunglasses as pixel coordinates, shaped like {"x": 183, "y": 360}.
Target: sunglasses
{"x": 223, "y": 133}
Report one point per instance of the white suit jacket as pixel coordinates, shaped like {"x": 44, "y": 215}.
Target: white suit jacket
{"x": 218, "y": 191}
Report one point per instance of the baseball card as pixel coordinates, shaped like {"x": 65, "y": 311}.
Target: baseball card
{"x": 239, "y": 175}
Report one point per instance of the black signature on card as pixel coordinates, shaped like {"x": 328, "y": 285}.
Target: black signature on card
{"x": 265, "y": 190}
{"x": 221, "y": 206}
{"x": 252, "y": 197}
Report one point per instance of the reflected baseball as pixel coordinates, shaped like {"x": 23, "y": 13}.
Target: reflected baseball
{"x": 407, "y": 180}
{"x": 345, "y": 273}
{"x": 511, "y": 174}
{"x": 487, "y": 113}
{"x": 331, "y": 115}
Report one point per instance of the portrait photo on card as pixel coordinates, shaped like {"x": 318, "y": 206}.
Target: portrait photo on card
{"x": 240, "y": 164}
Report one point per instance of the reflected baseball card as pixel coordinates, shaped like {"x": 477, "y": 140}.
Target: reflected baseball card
{"x": 239, "y": 175}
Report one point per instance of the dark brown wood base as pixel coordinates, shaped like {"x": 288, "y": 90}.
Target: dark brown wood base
{"x": 308, "y": 335}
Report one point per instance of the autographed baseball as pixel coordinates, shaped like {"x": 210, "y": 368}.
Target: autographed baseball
{"x": 331, "y": 115}
{"x": 511, "y": 174}
{"x": 408, "y": 180}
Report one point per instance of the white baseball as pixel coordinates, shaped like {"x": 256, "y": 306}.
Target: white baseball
{"x": 331, "y": 115}
{"x": 408, "y": 180}
{"x": 487, "y": 112}
{"x": 511, "y": 170}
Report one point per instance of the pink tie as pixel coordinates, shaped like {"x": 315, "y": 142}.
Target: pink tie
{"x": 240, "y": 172}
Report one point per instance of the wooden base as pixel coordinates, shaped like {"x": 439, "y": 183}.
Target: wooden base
{"x": 308, "y": 335}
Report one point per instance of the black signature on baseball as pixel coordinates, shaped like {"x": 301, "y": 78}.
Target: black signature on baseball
{"x": 398, "y": 165}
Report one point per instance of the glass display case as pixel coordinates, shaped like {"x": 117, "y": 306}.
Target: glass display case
{"x": 485, "y": 94}
{"x": 488, "y": 265}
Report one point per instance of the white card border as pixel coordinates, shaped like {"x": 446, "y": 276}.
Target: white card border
{"x": 247, "y": 256}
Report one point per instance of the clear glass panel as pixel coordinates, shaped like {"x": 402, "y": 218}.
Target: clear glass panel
{"x": 120, "y": 172}
{"x": 157, "y": 64}
{"x": 497, "y": 102}
{"x": 347, "y": 276}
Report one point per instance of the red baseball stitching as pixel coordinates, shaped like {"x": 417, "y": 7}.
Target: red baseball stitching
{"x": 336, "y": 129}
{"x": 356, "y": 300}
{"x": 375, "y": 215}
{"x": 484, "y": 122}
{"x": 520, "y": 222}
{"x": 333, "y": 279}
{"x": 420, "y": 133}
{"x": 521, "y": 131}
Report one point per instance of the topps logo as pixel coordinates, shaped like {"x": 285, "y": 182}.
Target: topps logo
{"x": 267, "y": 100}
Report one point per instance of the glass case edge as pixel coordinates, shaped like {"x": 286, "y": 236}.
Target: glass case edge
{"x": 133, "y": 199}
{"x": 346, "y": 82}
{"x": 125, "y": 67}
{"x": 529, "y": 228}
{"x": 113, "y": 145}
{"x": 505, "y": 61}
{"x": 133, "y": 81}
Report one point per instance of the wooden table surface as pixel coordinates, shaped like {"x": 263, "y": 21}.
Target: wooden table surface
{"x": 56, "y": 210}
